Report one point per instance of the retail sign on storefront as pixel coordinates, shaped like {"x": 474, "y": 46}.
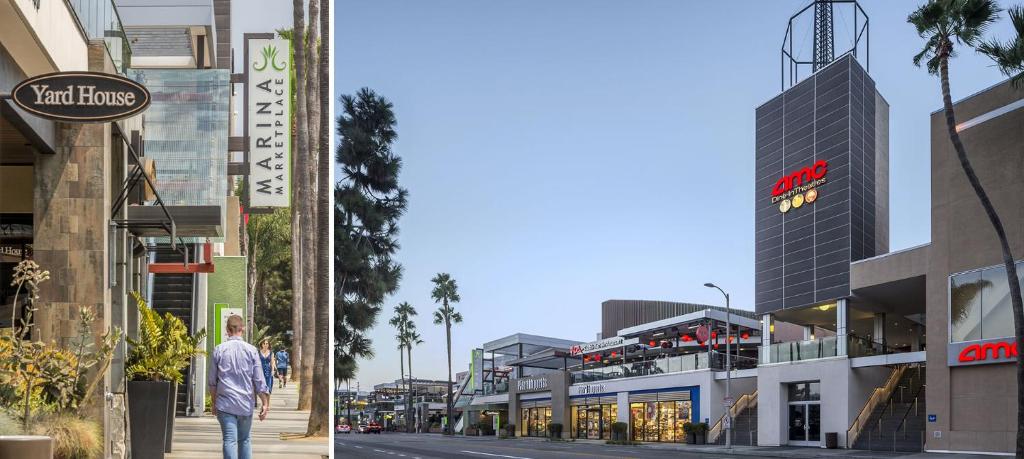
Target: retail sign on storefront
{"x": 1000, "y": 350}
{"x": 532, "y": 384}
{"x": 602, "y": 345}
{"x": 587, "y": 389}
{"x": 798, "y": 188}
{"x": 269, "y": 121}
{"x": 81, "y": 97}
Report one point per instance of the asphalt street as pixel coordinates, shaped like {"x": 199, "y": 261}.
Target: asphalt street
{"x": 395, "y": 445}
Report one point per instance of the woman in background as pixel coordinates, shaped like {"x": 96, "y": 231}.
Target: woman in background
{"x": 267, "y": 361}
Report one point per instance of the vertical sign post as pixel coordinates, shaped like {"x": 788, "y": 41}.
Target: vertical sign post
{"x": 269, "y": 121}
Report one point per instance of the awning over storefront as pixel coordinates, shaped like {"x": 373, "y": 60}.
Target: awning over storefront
{"x": 692, "y": 318}
{"x": 190, "y": 221}
{"x": 551, "y": 359}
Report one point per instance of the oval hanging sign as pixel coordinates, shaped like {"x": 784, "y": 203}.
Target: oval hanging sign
{"x": 81, "y": 97}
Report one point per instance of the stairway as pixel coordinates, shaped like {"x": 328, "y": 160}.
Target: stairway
{"x": 898, "y": 424}
{"x": 744, "y": 428}
{"x": 173, "y": 293}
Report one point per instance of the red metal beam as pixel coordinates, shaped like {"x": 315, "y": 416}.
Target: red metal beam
{"x": 186, "y": 268}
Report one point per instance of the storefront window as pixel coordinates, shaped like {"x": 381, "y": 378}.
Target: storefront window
{"x": 660, "y": 421}
{"x": 534, "y": 421}
{"x": 979, "y": 304}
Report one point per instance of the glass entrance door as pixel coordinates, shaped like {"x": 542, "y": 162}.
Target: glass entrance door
{"x": 804, "y": 423}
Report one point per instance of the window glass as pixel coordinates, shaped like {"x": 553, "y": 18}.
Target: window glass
{"x": 996, "y": 312}
{"x": 965, "y": 306}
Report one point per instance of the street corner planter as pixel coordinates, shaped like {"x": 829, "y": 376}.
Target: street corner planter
{"x": 691, "y": 438}
{"x": 26, "y": 446}
{"x": 702, "y": 439}
{"x": 147, "y": 417}
{"x": 172, "y": 401}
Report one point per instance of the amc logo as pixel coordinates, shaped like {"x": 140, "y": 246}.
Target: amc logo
{"x": 576, "y": 349}
{"x": 984, "y": 352}
{"x": 798, "y": 178}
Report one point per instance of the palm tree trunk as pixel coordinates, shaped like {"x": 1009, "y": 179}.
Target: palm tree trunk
{"x": 319, "y": 419}
{"x": 401, "y": 361}
{"x": 310, "y": 230}
{"x": 448, "y": 400}
{"x": 411, "y": 414}
{"x": 997, "y": 225}
{"x": 250, "y": 308}
{"x": 298, "y": 185}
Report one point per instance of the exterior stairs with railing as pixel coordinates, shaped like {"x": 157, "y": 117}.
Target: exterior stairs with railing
{"x": 744, "y": 423}
{"x": 173, "y": 293}
{"x": 899, "y": 423}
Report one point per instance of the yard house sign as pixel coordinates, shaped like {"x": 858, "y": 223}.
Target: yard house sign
{"x": 81, "y": 97}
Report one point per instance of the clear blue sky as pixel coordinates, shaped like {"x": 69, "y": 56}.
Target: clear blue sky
{"x": 559, "y": 154}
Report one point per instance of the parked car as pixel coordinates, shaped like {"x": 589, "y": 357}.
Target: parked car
{"x": 344, "y": 428}
{"x": 374, "y": 427}
{"x": 363, "y": 428}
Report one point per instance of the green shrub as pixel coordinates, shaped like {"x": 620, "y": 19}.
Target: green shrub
{"x": 620, "y": 428}
{"x": 163, "y": 348}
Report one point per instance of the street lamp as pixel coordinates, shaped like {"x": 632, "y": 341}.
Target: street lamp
{"x": 728, "y": 365}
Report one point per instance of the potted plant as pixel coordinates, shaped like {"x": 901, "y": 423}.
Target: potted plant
{"x": 153, "y": 369}
{"x": 691, "y": 434}
{"x": 510, "y": 430}
{"x": 619, "y": 432}
{"x": 555, "y": 430}
{"x": 701, "y": 429}
{"x": 45, "y": 387}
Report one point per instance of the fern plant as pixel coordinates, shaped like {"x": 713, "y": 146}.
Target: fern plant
{"x": 164, "y": 346}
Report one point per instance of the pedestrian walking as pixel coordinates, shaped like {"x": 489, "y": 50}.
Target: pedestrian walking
{"x": 235, "y": 379}
{"x": 267, "y": 363}
{"x": 281, "y": 358}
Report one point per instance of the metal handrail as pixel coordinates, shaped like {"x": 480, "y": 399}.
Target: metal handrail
{"x": 879, "y": 394}
{"x": 745, "y": 401}
{"x": 903, "y": 420}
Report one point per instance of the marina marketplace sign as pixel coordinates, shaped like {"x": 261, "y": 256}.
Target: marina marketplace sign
{"x": 81, "y": 97}
{"x": 269, "y": 121}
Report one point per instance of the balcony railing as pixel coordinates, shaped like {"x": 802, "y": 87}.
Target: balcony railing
{"x": 100, "y": 21}
{"x": 672, "y": 364}
{"x": 794, "y": 351}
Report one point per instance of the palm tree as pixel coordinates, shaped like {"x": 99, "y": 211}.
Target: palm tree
{"x": 945, "y": 23}
{"x": 309, "y": 226}
{"x": 446, "y": 292}
{"x": 401, "y": 321}
{"x": 412, "y": 338}
{"x": 319, "y": 420}
{"x": 300, "y": 129}
{"x": 1009, "y": 56}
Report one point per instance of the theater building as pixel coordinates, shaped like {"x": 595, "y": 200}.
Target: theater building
{"x": 850, "y": 345}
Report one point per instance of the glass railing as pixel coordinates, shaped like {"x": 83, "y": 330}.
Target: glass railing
{"x": 738, "y": 362}
{"x": 100, "y": 21}
{"x": 800, "y": 350}
{"x": 672, "y": 364}
{"x": 495, "y": 389}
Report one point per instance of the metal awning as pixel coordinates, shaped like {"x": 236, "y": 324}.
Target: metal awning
{"x": 525, "y": 343}
{"x": 554, "y": 359}
{"x": 687, "y": 319}
{"x": 189, "y": 221}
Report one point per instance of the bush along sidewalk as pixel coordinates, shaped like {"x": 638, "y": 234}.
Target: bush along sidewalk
{"x": 620, "y": 435}
{"x": 51, "y": 389}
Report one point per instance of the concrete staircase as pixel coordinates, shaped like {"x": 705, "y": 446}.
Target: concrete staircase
{"x": 899, "y": 424}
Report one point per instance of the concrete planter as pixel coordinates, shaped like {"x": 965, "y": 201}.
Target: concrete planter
{"x": 147, "y": 417}
{"x": 26, "y": 446}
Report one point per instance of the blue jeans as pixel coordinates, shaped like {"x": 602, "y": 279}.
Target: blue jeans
{"x": 235, "y": 432}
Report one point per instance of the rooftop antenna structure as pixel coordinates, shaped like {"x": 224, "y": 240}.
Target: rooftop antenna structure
{"x": 823, "y": 47}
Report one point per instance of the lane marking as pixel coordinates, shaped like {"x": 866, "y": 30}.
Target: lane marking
{"x": 494, "y": 455}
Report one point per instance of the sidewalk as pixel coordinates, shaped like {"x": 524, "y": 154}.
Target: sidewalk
{"x": 274, "y": 438}
{"x": 789, "y": 452}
